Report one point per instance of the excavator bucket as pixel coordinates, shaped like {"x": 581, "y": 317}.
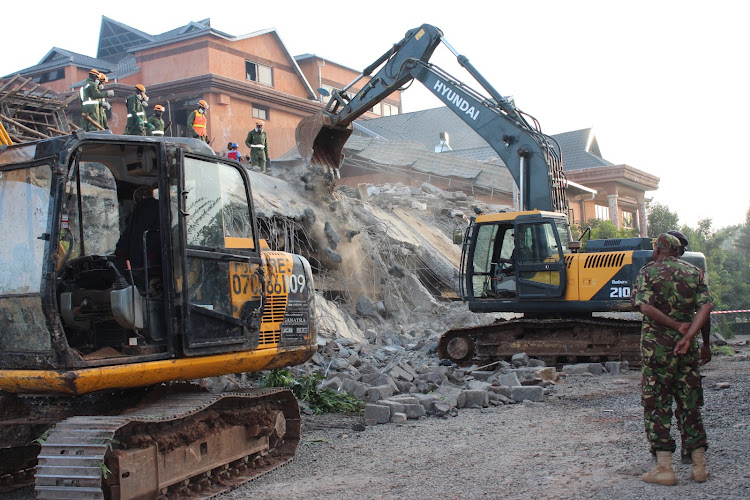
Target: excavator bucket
{"x": 321, "y": 144}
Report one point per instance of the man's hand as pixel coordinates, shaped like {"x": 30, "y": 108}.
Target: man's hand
{"x": 683, "y": 345}
{"x": 705, "y": 354}
{"x": 683, "y": 329}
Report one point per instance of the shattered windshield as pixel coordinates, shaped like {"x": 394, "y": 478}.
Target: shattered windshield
{"x": 218, "y": 206}
{"x": 24, "y": 210}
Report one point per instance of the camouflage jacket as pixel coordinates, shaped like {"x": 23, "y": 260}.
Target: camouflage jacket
{"x": 676, "y": 288}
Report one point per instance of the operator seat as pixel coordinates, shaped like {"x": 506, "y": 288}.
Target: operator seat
{"x": 143, "y": 220}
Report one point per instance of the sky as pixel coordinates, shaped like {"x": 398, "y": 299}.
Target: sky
{"x": 664, "y": 84}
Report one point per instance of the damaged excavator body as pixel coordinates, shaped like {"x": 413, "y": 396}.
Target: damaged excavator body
{"x": 517, "y": 262}
{"x": 128, "y": 264}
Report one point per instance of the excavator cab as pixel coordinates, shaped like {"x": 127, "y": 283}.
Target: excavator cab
{"x": 123, "y": 250}
{"x": 510, "y": 259}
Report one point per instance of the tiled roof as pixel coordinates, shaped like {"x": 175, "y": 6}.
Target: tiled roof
{"x": 426, "y": 126}
{"x": 59, "y": 58}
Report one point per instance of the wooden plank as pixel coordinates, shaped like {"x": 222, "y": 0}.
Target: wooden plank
{"x": 24, "y": 127}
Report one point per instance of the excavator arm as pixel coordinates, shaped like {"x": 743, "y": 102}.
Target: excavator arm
{"x": 533, "y": 158}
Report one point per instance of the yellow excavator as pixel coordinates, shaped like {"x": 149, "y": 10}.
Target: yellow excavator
{"x": 129, "y": 264}
{"x": 523, "y": 261}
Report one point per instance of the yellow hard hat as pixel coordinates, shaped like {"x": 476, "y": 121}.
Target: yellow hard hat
{"x": 202, "y": 104}
{"x": 158, "y": 107}
{"x": 140, "y": 87}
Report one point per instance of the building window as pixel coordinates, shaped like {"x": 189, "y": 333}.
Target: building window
{"x": 602, "y": 212}
{"x": 389, "y": 109}
{"x": 627, "y": 220}
{"x": 376, "y": 109}
{"x": 50, "y": 76}
{"x": 260, "y": 112}
{"x": 259, "y": 73}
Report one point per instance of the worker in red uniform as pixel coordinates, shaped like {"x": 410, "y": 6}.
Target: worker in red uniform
{"x": 197, "y": 122}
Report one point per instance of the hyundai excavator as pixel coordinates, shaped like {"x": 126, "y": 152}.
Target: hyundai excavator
{"x": 129, "y": 265}
{"x": 524, "y": 261}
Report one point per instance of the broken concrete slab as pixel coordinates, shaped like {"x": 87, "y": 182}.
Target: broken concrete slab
{"x": 527, "y": 393}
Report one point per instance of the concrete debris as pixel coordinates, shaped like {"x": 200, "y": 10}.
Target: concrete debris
{"x": 332, "y": 235}
{"x": 384, "y": 298}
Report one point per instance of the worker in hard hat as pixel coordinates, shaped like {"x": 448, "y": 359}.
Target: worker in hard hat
{"x": 156, "y": 121}
{"x": 197, "y": 122}
{"x": 257, "y": 141}
{"x": 104, "y": 105}
{"x": 234, "y": 152}
{"x": 90, "y": 106}
{"x": 136, "y": 104}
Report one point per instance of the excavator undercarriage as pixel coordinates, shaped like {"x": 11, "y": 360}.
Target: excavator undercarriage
{"x": 173, "y": 444}
{"x": 555, "y": 341}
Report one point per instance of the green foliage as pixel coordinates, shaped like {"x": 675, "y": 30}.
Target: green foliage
{"x": 306, "y": 389}
{"x": 602, "y": 230}
{"x": 722, "y": 350}
{"x": 660, "y": 219}
{"x": 727, "y": 252}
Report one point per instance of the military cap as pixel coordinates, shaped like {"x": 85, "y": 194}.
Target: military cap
{"x": 679, "y": 236}
{"x": 668, "y": 241}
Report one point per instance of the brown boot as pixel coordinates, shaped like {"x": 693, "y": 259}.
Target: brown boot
{"x": 663, "y": 473}
{"x": 699, "y": 473}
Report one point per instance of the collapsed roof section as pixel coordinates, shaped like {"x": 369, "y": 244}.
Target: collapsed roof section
{"x": 30, "y": 111}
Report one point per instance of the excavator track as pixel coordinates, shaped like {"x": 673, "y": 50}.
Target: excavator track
{"x": 193, "y": 445}
{"x": 555, "y": 341}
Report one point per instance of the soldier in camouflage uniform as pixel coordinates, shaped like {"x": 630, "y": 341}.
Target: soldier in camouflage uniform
{"x": 675, "y": 302}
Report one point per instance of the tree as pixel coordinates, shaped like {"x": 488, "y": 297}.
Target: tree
{"x": 660, "y": 219}
{"x": 743, "y": 241}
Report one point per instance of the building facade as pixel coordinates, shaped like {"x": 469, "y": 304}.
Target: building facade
{"x": 242, "y": 78}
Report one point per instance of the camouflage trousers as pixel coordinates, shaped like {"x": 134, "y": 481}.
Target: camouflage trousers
{"x": 665, "y": 379}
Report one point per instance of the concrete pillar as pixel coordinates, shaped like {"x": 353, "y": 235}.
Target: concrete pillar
{"x": 642, "y": 219}
{"x": 614, "y": 215}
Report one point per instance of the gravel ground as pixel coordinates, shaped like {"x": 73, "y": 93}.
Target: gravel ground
{"x": 585, "y": 441}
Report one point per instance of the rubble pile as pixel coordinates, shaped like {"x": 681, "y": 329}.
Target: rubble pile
{"x": 386, "y": 275}
{"x": 401, "y": 381}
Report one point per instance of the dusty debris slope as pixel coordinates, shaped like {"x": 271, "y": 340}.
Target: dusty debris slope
{"x": 382, "y": 255}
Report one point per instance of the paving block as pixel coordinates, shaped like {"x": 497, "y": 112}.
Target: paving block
{"x": 509, "y": 379}
{"x": 596, "y": 368}
{"x": 428, "y": 401}
{"x": 375, "y": 394}
{"x": 473, "y": 399}
{"x": 398, "y": 418}
{"x": 576, "y": 369}
{"x": 377, "y": 414}
{"x": 520, "y": 359}
{"x": 393, "y": 405}
{"x": 414, "y": 410}
{"x": 405, "y": 399}
{"x": 354, "y": 388}
{"x": 530, "y": 393}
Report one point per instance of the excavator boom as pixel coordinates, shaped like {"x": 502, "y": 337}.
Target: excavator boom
{"x": 533, "y": 158}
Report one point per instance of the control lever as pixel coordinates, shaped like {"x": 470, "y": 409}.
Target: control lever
{"x": 120, "y": 282}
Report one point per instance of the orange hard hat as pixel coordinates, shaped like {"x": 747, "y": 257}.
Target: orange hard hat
{"x": 103, "y": 77}
{"x": 140, "y": 87}
{"x": 202, "y": 104}
{"x": 94, "y": 72}
{"x": 259, "y": 122}
{"x": 158, "y": 107}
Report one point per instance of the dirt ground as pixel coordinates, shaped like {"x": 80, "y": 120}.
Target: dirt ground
{"x": 585, "y": 441}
